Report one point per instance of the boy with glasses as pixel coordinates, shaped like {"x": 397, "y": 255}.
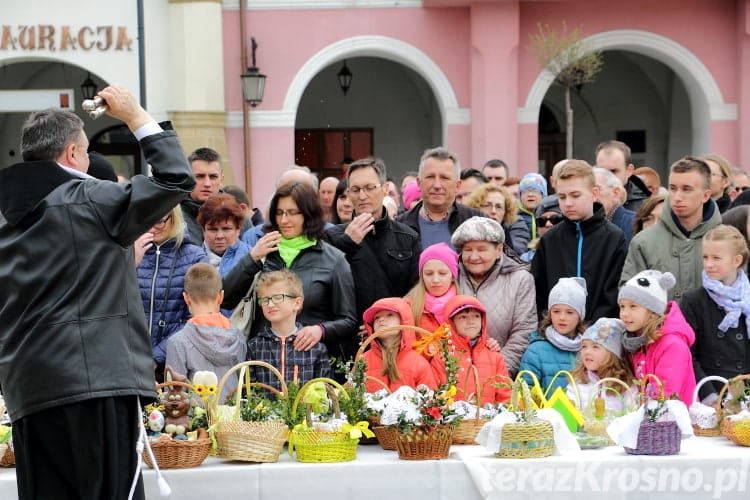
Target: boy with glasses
{"x": 280, "y": 296}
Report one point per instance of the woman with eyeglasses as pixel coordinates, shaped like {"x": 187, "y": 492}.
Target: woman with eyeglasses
{"x": 499, "y": 204}
{"x": 501, "y": 282}
{"x": 294, "y": 240}
{"x": 163, "y": 255}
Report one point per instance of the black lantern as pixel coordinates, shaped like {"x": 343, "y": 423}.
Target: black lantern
{"x": 253, "y": 82}
{"x": 88, "y": 88}
{"x": 345, "y": 78}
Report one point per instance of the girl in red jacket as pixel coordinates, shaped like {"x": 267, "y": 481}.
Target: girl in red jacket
{"x": 391, "y": 358}
{"x": 467, "y": 318}
{"x": 658, "y": 338}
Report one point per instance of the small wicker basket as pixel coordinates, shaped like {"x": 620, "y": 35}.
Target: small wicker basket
{"x": 176, "y": 454}
{"x": 705, "y": 419}
{"x": 419, "y": 444}
{"x": 313, "y": 446}
{"x": 737, "y": 431}
{"x": 656, "y": 438}
{"x": 529, "y": 439}
{"x": 248, "y": 441}
{"x": 598, "y": 426}
{"x": 467, "y": 429}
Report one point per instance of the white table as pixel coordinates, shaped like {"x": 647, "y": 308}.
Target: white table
{"x": 706, "y": 468}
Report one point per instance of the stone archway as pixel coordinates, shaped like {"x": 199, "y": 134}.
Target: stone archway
{"x": 707, "y": 102}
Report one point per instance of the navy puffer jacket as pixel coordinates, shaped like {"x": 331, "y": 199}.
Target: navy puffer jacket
{"x": 164, "y": 319}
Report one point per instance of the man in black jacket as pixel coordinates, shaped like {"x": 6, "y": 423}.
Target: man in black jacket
{"x": 383, "y": 253}
{"x": 438, "y": 215}
{"x": 74, "y": 348}
{"x": 615, "y": 157}
{"x": 206, "y": 165}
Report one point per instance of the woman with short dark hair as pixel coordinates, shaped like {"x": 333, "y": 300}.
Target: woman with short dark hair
{"x": 293, "y": 240}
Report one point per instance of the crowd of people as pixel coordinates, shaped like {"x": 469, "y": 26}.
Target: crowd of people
{"x": 598, "y": 270}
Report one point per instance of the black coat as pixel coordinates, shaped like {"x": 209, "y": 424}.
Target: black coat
{"x": 726, "y": 354}
{"x": 328, "y": 289}
{"x": 458, "y": 215}
{"x": 72, "y": 319}
{"x": 602, "y": 256}
{"x": 385, "y": 264}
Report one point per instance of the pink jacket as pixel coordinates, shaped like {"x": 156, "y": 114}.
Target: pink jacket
{"x": 669, "y": 358}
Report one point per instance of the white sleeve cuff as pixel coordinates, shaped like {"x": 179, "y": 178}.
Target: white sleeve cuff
{"x": 146, "y": 130}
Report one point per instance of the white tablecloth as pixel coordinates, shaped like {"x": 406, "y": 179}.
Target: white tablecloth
{"x": 706, "y": 468}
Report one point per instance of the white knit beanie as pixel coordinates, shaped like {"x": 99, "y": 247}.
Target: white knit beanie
{"x": 570, "y": 292}
{"x": 648, "y": 289}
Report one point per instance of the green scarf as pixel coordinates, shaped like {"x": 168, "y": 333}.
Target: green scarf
{"x": 290, "y": 248}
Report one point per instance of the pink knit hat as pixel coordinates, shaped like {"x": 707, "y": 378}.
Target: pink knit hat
{"x": 410, "y": 193}
{"x": 443, "y": 253}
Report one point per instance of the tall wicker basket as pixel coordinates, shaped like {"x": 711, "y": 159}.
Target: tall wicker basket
{"x": 248, "y": 441}
{"x": 656, "y": 438}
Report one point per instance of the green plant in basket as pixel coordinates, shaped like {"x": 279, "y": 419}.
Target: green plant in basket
{"x": 355, "y": 407}
{"x": 426, "y": 409}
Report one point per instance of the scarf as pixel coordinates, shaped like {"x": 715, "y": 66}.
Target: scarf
{"x": 436, "y": 305}
{"x": 632, "y": 342}
{"x": 562, "y": 342}
{"x": 734, "y": 299}
{"x": 290, "y": 248}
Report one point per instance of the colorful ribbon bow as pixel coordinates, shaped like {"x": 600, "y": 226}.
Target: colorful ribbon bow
{"x": 429, "y": 345}
{"x": 355, "y": 431}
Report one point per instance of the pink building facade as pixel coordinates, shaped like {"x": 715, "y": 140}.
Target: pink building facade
{"x": 488, "y": 88}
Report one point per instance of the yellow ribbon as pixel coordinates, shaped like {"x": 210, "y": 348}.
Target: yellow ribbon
{"x": 355, "y": 431}
{"x": 428, "y": 345}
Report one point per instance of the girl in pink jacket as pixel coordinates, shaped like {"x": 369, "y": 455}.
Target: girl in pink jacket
{"x": 657, "y": 337}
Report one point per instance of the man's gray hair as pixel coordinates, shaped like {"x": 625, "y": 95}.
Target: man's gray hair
{"x": 478, "y": 229}
{"x": 439, "y": 153}
{"x": 46, "y": 133}
{"x": 610, "y": 179}
{"x": 314, "y": 182}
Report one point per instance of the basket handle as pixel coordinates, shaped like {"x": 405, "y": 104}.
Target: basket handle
{"x": 388, "y": 329}
{"x": 599, "y": 385}
{"x": 245, "y": 373}
{"x": 305, "y": 387}
{"x": 659, "y": 384}
{"x": 187, "y": 386}
{"x": 726, "y": 388}
{"x": 710, "y": 378}
{"x": 378, "y": 381}
{"x": 572, "y": 381}
{"x": 480, "y": 386}
{"x": 536, "y": 383}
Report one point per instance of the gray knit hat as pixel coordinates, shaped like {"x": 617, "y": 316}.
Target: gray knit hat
{"x": 570, "y": 292}
{"x": 648, "y": 289}
{"x": 478, "y": 229}
{"x": 607, "y": 332}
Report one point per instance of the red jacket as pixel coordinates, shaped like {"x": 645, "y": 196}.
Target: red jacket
{"x": 488, "y": 363}
{"x": 413, "y": 368}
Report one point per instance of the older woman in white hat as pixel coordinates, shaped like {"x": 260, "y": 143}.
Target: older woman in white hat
{"x": 501, "y": 282}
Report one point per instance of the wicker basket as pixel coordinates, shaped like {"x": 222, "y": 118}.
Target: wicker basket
{"x": 313, "y": 446}
{"x": 467, "y": 429}
{"x": 387, "y": 436}
{"x": 248, "y": 441}
{"x": 176, "y": 454}
{"x": 530, "y": 439}
{"x": 656, "y": 438}
{"x": 703, "y": 424}
{"x": 598, "y": 426}
{"x": 419, "y": 444}
{"x": 737, "y": 431}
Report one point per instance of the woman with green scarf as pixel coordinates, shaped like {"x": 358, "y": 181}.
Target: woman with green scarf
{"x": 294, "y": 240}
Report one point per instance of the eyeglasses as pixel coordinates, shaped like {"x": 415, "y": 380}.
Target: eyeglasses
{"x": 500, "y": 207}
{"x": 163, "y": 220}
{"x": 554, "y": 219}
{"x": 713, "y": 174}
{"x": 369, "y": 189}
{"x": 274, "y": 299}
{"x": 289, "y": 213}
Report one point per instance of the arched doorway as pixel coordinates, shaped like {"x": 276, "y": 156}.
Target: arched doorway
{"x": 635, "y": 99}
{"x": 389, "y": 111}
{"x": 706, "y": 102}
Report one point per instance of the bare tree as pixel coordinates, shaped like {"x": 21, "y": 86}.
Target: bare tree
{"x": 570, "y": 60}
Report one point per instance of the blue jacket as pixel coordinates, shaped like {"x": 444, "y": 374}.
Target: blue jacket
{"x": 232, "y": 256}
{"x": 623, "y": 218}
{"x": 164, "y": 319}
{"x": 544, "y": 360}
